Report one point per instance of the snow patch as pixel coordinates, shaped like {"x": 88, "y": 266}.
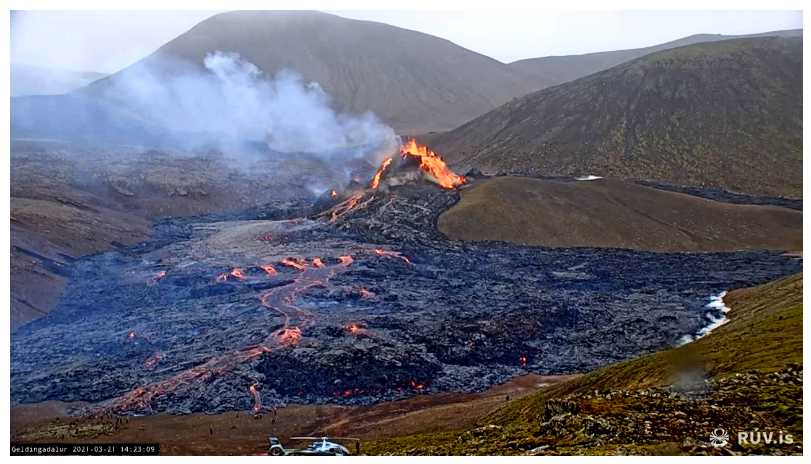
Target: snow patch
{"x": 715, "y": 320}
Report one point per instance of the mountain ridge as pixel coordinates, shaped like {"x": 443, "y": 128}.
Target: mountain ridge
{"x": 708, "y": 114}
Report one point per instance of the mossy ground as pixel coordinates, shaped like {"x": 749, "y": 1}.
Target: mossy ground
{"x": 741, "y": 366}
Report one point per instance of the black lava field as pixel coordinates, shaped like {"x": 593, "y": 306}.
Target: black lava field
{"x": 359, "y": 301}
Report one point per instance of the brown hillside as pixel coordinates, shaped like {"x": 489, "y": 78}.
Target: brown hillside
{"x": 614, "y": 214}
{"x": 724, "y": 114}
{"x": 556, "y": 70}
{"x": 413, "y": 81}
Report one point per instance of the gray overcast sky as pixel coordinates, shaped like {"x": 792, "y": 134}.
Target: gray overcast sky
{"x": 108, "y": 41}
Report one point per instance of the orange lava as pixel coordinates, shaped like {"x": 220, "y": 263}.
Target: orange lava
{"x": 222, "y": 278}
{"x": 417, "y": 385}
{"x": 269, "y": 269}
{"x": 238, "y": 274}
{"x": 334, "y": 193}
{"x": 432, "y": 163}
{"x": 523, "y": 360}
{"x": 257, "y": 400}
{"x": 344, "y": 207}
{"x": 154, "y": 280}
{"x": 280, "y": 300}
{"x": 393, "y": 254}
{"x": 366, "y": 293}
{"x": 298, "y": 264}
{"x": 317, "y": 262}
{"x": 152, "y": 361}
{"x": 376, "y": 179}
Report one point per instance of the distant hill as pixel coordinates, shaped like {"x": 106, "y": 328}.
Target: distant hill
{"x": 413, "y": 81}
{"x": 35, "y": 80}
{"x": 723, "y": 114}
{"x": 614, "y": 214}
{"x": 555, "y": 70}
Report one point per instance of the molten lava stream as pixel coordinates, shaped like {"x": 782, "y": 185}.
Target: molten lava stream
{"x": 394, "y": 254}
{"x": 376, "y": 179}
{"x": 257, "y": 400}
{"x": 430, "y": 162}
{"x": 271, "y": 271}
{"x": 154, "y": 280}
{"x": 281, "y": 300}
{"x": 299, "y": 264}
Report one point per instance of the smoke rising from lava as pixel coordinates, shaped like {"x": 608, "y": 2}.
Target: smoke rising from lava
{"x": 227, "y": 104}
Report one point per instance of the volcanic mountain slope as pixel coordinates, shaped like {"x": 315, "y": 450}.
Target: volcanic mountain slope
{"x": 614, "y": 214}
{"x": 661, "y": 403}
{"x": 35, "y": 80}
{"x": 555, "y": 70}
{"x": 725, "y": 114}
{"x": 415, "y": 82}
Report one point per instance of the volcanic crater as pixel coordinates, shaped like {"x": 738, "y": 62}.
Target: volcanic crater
{"x": 356, "y": 299}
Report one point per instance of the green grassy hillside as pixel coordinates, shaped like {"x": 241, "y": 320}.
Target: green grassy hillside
{"x": 724, "y": 114}
{"x": 745, "y": 374}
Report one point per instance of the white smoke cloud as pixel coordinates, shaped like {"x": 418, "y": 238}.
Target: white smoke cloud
{"x": 231, "y": 98}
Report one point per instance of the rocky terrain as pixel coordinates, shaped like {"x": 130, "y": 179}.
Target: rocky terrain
{"x": 722, "y": 115}
{"x": 745, "y": 376}
{"x": 69, "y": 200}
{"x": 614, "y": 214}
{"x": 358, "y": 302}
{"x": 655, "y": 421}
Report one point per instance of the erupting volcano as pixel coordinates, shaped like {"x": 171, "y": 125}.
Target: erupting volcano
{"x": 357, "y": 298}
{"x": 432, "y": 167}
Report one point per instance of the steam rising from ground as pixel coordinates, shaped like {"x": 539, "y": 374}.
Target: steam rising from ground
{"x": 232, "y": 97}
{"x": 227, "y": 104}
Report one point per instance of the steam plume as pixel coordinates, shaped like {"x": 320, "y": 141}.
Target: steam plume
{"x": 166, "y": 101}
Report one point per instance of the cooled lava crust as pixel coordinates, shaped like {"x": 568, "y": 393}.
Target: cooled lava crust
{"x": 352, "y": 303}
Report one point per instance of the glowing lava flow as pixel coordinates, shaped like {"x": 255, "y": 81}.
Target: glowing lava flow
{"x": 153, "y": 360}
{"x": 317, "y": 262}
{"x": 344, "y": 207}
{"x": 366, "y": 293}
{"x": 347, "y": 206}
{"x": 298, "y": 264}
{"x": 271, "y": 271}
{"x": 334, "y": 193}
{"x": 376, "y": 179}
{"x": 280, "y": 300}
{"x": 239, "y": 274}
{"x": 395, "y": 254}
{"x": 430, "y": 162}
{"x": 257, "y": 400}
{"x": 154, "y": 280}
